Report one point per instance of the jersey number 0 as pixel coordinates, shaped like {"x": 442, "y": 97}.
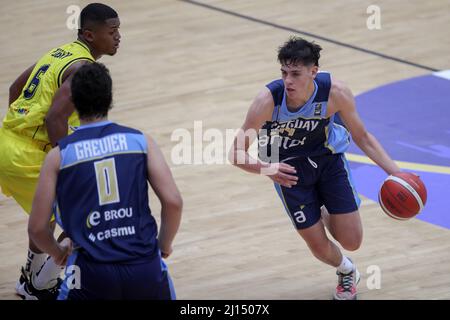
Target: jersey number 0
{"x": 107, "y": 187}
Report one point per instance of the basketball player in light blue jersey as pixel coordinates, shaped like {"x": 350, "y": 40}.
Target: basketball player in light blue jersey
{"x": 298, "y": 115}
{"x": 97, "y": 181}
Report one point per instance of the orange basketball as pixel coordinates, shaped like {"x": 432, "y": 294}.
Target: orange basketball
{"x": 402, "y": 195}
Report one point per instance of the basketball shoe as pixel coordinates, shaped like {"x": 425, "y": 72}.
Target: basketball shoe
{"x": 21, "y": 282}
{"x": 26, "y": 290}
{"x": 346, "y": 288}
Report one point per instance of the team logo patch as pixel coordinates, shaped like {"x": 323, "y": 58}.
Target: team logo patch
{"x": 318, "y": 109}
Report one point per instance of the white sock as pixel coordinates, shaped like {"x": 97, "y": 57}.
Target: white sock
{"x": 34, "y": 262}
{"x": 346, "y": 265}
{"x": 48, "y": 276}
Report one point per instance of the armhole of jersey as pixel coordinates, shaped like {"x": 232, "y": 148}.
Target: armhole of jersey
{"x": 274, "y": 103}
{"x": 145, "y": 145}
{"x": 323, "y": 81}
{"x": 62, "y": 152}
{"x": 276, "y": 89}
{"x": 68, "y": 64}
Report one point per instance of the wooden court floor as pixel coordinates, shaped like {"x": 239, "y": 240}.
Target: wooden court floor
{"x": 181, "y": 62}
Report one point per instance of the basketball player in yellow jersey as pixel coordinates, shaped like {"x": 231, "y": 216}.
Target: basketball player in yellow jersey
{"x": 41, "y": 113}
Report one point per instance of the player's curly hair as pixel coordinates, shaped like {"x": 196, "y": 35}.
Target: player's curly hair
{"x": 299, "y": 51}
{"x": 92, "y": 91}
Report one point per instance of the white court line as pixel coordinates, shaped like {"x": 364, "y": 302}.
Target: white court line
{"x": 442, "y": 74}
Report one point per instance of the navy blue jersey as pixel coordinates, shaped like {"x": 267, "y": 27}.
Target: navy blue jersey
{"x": 102, "y": 193}
{"x": 307, "y": 131}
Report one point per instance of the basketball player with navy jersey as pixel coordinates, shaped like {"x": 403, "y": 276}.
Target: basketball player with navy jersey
{"x": 98, "y": 179}
{"x": 301, "y": 127}
{"x": 41, "y": 113}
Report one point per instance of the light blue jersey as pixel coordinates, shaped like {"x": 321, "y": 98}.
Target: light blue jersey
{"x": 305, "y": 132}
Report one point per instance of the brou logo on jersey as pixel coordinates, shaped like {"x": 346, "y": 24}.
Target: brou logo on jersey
{"x": 93, "y": 219}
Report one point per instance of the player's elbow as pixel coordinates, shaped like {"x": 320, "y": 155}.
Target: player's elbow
{"x": 177, "y": 203}
{"x": 34, "y": 230}
{"x": 174, "y": 202}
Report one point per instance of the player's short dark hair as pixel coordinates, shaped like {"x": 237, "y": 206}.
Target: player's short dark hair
{"x": 92, "y": 91}
{"x": 95, "y": 13}
{"x": 299, "y": 51}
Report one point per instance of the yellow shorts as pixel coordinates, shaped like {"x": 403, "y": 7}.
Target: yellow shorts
{"x": 21, "y": 159}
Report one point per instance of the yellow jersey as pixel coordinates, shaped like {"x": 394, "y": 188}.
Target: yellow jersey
{"x": 26, "y": 115}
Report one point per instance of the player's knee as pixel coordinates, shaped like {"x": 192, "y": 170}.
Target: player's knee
{"x": 319, "y": 249}
{"x": 352, "y": 243}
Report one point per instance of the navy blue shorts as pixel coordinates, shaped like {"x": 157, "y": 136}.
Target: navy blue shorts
{"x": 88, "y": 280}
{"x": 322, "y": 180}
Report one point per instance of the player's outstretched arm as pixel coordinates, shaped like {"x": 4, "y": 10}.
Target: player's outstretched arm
{"x": 342, "y": 100}
{"x": 62, "y": 107}
{"x": 39, "y": 229}
{"x": 259, "y": 112}
{"x": 162, "y": 182}
{"x": 17, "y": 86}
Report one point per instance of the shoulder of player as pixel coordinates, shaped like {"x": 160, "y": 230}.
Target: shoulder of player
{"x": 152, "y": 146}
{"x": 340, "y": 94}
{"x": 150, "y": 141}
{"x": 73, "y": 68}
{"x": 53, "y": 158}
{"x": 263, "y": 103}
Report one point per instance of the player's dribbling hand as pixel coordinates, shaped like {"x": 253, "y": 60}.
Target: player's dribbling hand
{"x": 65, "y": 250}
{"x": 283, "y": 174}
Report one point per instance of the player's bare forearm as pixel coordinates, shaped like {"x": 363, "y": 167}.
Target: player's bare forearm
{"x": 239, "y": 156}
{"x": 44, "y": 239}
{"x": 281, "y": 173}
{"x": 373, "y": 149}
{"x": 57, "y": 128}
{"x": 59, "y": 113}
{"x": 170, "y": 223}
{"x": 162, "y": 182}
{"x": 259, "y": 112}
{"x": 241, "y": 159}
{"x": 39, "y": 229}
{"x": 252, "y": 167}
{"x": 17, "y": 86}
{"x": 342, "y": 100}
